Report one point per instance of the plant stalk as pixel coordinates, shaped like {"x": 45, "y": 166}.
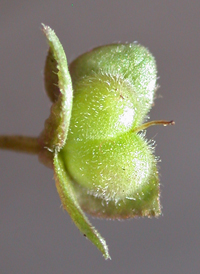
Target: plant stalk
{"x": 19, "y": 143}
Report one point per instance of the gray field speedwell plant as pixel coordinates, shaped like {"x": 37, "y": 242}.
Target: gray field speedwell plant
{"x": 94, "y": 138}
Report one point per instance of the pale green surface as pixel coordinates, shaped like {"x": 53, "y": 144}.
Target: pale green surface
{"x": 111, "y": 169}
{"x": 118, "y": 178}
{"x": 103, "y": 107}
{"x": 132, "y": 62}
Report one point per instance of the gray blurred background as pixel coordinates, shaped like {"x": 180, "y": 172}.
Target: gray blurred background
{"x": 36, "y": 236}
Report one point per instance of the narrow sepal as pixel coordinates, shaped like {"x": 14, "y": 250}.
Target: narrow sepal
{"x": 55, "y": 132}
{"x": 71, "y": 205}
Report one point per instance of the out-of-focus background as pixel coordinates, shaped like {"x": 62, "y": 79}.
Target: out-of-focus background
{"x": 36, "y": 236}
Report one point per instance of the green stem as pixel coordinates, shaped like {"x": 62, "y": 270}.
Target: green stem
{"x": 20, "y": 144}
{"x": 153, "y": 123}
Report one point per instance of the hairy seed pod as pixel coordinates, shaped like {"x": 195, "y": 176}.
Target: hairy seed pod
{"x": 103, "y": 155}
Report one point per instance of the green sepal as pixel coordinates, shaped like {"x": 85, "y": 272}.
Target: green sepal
{"x": 56, "y": 127}
{"x": 131, "y": 62}
{"x": 71, "y": 205}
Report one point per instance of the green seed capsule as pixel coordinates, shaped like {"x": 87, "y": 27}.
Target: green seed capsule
{"x": 106, "y": 159}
